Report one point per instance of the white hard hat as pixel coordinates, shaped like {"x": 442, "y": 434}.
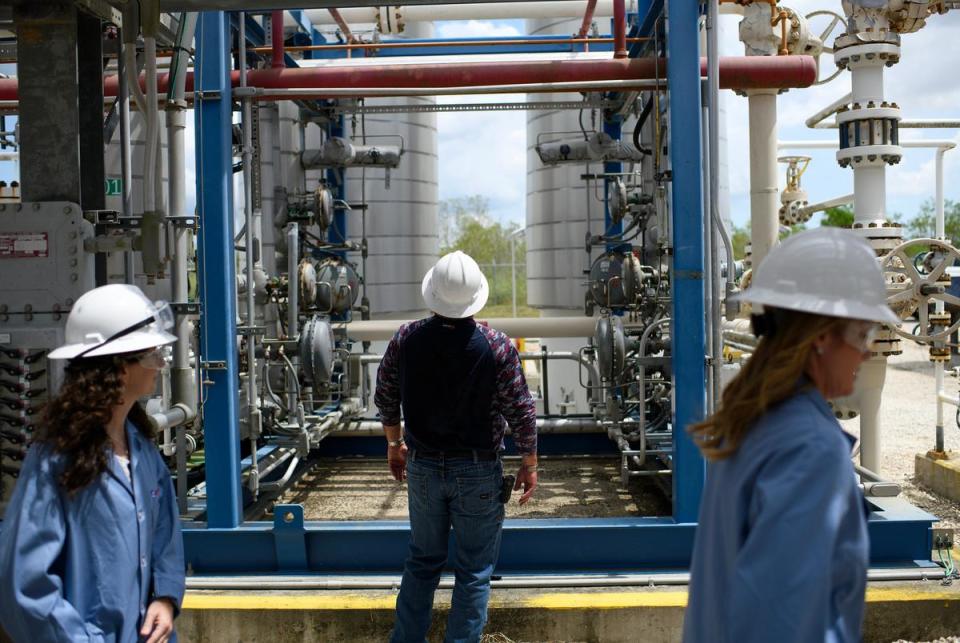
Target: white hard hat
{"x": 115, "y": 319}
{"x": 827, "y": 271}
{"x": 455, "y": 287}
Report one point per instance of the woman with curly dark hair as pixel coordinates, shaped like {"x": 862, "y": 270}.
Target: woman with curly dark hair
{"x": 91, "y": 546}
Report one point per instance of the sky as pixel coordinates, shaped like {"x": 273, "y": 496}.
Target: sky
{"x": 484, "y": 152}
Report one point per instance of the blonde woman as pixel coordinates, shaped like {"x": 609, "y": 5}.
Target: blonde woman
{"x": 781, "y": 550}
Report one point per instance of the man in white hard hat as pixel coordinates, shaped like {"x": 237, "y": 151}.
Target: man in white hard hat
{"x": 459, "y": 383}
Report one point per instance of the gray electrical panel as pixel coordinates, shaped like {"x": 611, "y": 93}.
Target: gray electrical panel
{"x": 44, "y": 268}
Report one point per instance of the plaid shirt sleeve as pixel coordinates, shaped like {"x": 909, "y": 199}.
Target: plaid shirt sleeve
{"x": 387, "y": 396}
{"x": 513, "y": 397}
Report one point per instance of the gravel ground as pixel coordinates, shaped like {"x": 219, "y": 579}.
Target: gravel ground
{"x": 908, "y": 427}
{"x": 355, "y": 489}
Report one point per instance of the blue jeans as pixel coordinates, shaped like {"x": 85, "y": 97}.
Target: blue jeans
{"x": 464, "y": 494}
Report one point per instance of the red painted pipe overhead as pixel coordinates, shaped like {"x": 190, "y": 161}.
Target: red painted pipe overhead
{"x": 736, "y": 72}
{"x": 619, "y": 29}
{"x": 276, "y": 38}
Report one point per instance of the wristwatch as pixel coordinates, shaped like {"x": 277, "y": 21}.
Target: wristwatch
{"x": 395, "y": 443}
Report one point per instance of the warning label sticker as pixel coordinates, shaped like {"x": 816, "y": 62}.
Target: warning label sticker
{"x": 23, "y": 245}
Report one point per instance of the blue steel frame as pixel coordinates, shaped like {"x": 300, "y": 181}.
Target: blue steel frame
{"x": 218, "y": 327}
{"x": 900, "y": 534}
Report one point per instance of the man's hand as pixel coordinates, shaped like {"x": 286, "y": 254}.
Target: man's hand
{"x": 397, "y": 459}
{"x": 526, "y": 478}
{"x": 158, "y": 623}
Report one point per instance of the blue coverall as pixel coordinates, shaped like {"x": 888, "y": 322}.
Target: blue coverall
{"x": 781, "y": 549}
{"x": 85, "y": 568}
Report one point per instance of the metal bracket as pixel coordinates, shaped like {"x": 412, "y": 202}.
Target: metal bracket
{"x": 207, "y": 94}
{"x": 289, "y": 538}
{"x": 214, "y": 365}
{"x": 101, "y": 217}
{"x": 246, "y": 331}
{"x": 188, "y": 308}
{"x": 182, "y": 221}
{"x": 245, "y": 92}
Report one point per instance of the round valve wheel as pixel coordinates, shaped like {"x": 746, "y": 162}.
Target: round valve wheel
{"x": 916, "y": 274}
{"x": 827, "y": 33}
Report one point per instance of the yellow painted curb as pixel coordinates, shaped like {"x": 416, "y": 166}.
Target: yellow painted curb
{"x": 550, "y": 601}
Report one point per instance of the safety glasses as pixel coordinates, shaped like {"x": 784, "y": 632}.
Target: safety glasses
{"x": 861, "y": 335}
{"x": 156, "y": 359}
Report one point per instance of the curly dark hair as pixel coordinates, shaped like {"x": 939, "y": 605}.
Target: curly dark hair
{"x": 74, "y": 421}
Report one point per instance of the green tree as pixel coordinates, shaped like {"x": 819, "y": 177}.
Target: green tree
{"x": 455, "y": 211}
{"x": 488, "y": 242}
{"x": 840, "y": 217}
{"x": 924, "y": 224}
{"x": 740, "y": 239}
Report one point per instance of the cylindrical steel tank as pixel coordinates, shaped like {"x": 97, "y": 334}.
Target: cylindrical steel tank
{"x": 401, "y": 219}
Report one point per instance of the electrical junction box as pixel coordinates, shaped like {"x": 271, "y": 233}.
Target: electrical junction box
{"x": 44, "y": 268}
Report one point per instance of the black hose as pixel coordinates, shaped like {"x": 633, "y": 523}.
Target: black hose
{"x": 641, "y": 121}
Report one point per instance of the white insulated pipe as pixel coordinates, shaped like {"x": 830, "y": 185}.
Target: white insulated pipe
{"x": 869, "y": 194}
{"x": 764, "y": 191}
{"x": 384, "y": 329}
{"x": 475, "y": 11}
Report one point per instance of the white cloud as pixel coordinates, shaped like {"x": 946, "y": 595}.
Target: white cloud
{"x": 477, "y": 29}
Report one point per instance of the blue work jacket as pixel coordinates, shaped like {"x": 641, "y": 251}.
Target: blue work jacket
{"x": 84, "y": 568}
{"x": 781, "y": 549}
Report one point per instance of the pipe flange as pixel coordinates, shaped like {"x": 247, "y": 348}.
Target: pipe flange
{"x": 885, "y": 110}
{"x": 869, "y": 156}
{"x": 866, "y": 55}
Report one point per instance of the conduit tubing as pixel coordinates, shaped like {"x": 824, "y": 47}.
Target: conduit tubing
{"x": 736, "y": 72}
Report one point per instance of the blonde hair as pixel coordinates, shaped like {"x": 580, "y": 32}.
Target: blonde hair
{"x": 769, "y": 377}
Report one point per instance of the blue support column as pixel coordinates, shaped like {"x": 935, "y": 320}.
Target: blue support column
{"x": 218, "y": 327}
{"x": 689, "y": 328}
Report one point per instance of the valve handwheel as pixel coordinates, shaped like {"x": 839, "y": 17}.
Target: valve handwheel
{"x": 912, "y": 285}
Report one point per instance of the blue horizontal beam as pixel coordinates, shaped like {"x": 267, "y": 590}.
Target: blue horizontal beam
{"x": 559, "y": 546}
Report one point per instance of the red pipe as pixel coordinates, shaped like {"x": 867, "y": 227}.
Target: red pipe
{"x": 736, "y": 72}
{"x": 276, "y": 37}
{"x": 619, "y": 30}
{"x": 587, "y": 19}
{"x": 344, "y": 27}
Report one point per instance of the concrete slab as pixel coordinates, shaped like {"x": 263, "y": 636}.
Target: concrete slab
{"x": 940, "y": 474}
{"x": 916, "y": 611}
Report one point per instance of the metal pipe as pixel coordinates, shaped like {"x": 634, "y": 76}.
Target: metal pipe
{"x": 384, "y": 329}
{"x": 914, "y": 123}
{"x": 418, "y": 44}
{"x": 293, "y": 307}
{"x": 126, "y": 171}
{"x": 824, "y": 205}
{"x": 554, "y": 425}
{"x": 829, "y": 145}
{"x": 587, "y": 19}
{"x": 275, "y": 582}
{"x": 642, "y": 351}
{"x": 463, "y": 11}
{"x": 341, "y": 23}
{"x": 736, "y": 72}
{"x": 764, "y": 218}
{"x": 253, "y": 410}
{"x": 274, "y": 485}
{"x": 174, "y": 416}
{"x": 619, "y": 29}
{"x": 593, "y": 375}
{"x": 276, "y": 39}
{"x": 831, "y": 109}
{"x": 713, "y": 85}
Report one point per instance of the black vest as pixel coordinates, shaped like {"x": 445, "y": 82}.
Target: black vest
{"x": 447, "y": 385}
